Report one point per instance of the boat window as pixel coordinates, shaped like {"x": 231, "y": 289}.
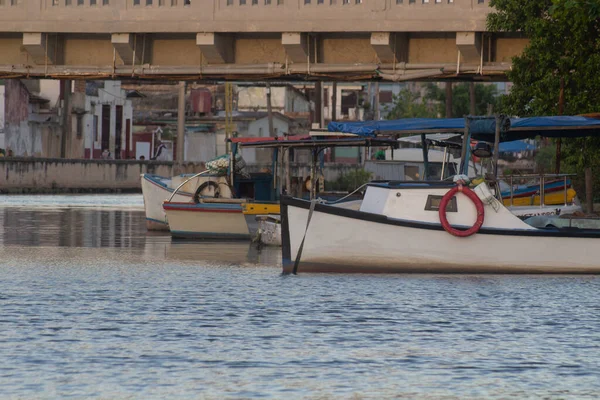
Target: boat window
{"x": 433, "y": 204}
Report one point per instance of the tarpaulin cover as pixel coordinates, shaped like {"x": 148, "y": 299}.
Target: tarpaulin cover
{"x": 481, "y": 129}
{"x": 516, "y": 146}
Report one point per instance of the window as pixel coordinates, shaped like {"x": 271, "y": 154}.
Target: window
{"x": 242, "y": 2}
{"x": 267, "y": 2}
{"x": 105, "y": 2}
{"x": 433, "y": 204}
{"x": 279, "y": 2}
{"x": 148, "y": 2}
{"x": 254, "y": 2}
{"x": 399, "y": 1}
{"x": 386, "y": 96}
{"x": 79, "y": 2}
{"x": 136, "y": 2}
{"x": 92, "y": 2}
{"x": 54, "y": 2}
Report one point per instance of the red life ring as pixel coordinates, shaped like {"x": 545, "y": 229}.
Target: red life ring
{"x": 478, "y": 205}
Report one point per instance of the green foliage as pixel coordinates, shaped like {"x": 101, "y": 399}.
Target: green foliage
{"x": 564, "y": 46}
{"x": 545, "y": 159}
{"x": 409, "y": 104}
{"x": 350, "y": 181}
{"x": 484, "y": 95}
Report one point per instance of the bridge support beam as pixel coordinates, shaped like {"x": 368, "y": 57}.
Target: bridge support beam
{"x": 296, "y": 46}
{"x": 216, "y": 48}
{"x": 132, "y": 48}
{"x": 40, "y": 47}
{"x": 469, "y": 45}
{"x": 390, "y": 47}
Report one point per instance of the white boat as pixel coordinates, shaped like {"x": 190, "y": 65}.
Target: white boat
{"x": 156, "y": 189}
{"x": 397, "y": 229}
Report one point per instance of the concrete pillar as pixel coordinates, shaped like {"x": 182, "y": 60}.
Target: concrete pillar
{"x": 66, "y": 116}
{"x": 390, "y": 47}
{"x": 132, "y": 48}
{"x": 296, "y": 47}
{"x": 181, "y": 123}
{"x": 41, "y": 47}
{"x": 318, "y": 103}
{"x": 469, "y": 45}
{"x": 216, "y": 48}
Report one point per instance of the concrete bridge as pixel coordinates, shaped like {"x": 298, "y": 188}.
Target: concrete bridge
{"x": 392, "y": 40}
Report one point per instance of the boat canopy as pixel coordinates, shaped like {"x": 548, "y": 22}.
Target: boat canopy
{"x": 313, "y": 142}
{"x": 480, "y": 128}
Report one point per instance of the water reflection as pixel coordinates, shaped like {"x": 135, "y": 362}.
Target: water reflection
{"x": 123, "y": 229}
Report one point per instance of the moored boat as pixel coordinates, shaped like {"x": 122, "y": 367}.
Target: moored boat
{"x": 397, "y": 229}
{"x": 156, "y": 189}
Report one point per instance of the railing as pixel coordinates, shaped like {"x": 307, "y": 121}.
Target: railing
{"x": 108, "y": 16}
{"x": 542, "y": 179}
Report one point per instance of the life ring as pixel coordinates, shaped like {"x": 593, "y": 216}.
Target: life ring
{"x": 478, "y": 205}
{"x": 203, "y": 186}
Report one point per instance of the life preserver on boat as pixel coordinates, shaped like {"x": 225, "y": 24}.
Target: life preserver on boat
{"x": 203, "y": 186}
{"x": 478, "y": 205}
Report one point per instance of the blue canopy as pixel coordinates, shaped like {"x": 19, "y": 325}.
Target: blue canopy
{"x": 481, "y": 129}
{"x": 516, "y": 146}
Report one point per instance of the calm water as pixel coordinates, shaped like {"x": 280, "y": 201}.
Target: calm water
{"x": 95, "y": 307}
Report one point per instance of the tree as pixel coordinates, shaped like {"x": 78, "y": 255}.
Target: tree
{"x": 409, "y": 104}
{"x": 563, "y": 50}
{"x": 485, "y": 95}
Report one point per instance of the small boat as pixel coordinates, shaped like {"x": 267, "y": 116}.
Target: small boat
{"x": 224, "y": 218}
{"x": 156, "y": 189}
{"x": 398, "y": 229}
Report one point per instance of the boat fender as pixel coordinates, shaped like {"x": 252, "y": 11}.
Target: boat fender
{"x": 478, "y": 205}
{"x": 203, "y": 186}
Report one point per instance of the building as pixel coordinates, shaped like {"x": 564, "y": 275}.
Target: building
{"x": 33, "y": 122}
{"x": 102, "y": 118}
{"x": 285, "y": 99}
{"x": 29, "y": 124}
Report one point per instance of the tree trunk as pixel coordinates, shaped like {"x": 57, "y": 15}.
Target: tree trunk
{"x": 448, "y": 99}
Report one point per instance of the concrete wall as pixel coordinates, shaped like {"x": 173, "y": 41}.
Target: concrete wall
{"x": 58, "y": 175}
{"x": 18, "y": 136}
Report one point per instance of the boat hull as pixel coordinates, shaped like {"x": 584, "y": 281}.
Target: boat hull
{"x": 155, "y": 193}
{"x": 207, "y": 221}
{"x": 228, "y": 220}
{"x": 339, "y": 240}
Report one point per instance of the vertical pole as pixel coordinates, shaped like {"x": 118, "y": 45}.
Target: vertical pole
{"x": 66, "y": 121}
{"x": 425, "y": 157}
{"x": 472, "y": 98}
{"x": 333, "y": 114}
{"x": 589, "y": 199}
{"x": 464, "y": 154}
{"x": 334, "y": 102}
{"x": 181, "y": 122}
{"x": 318, "y": 103}
{"x": 561, "y": 106}
{"x": 376, "y": 105}
{"x": 444, "y": 161}
{"x": 448, "y": 99}
{"x": 565, "y": 185}
{"x": 270, "y": 111}
{"x": 496, "y": 146}
{"x": 322, "y": 120}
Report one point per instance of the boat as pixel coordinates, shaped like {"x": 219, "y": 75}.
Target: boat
{"x": 232, "y": 218}
{"x": 439, "y": 226}
{"x": 156, "y": 189}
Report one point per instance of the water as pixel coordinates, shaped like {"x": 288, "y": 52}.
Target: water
{"x": 95, "y": 307}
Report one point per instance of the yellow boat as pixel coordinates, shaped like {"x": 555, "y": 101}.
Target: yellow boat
{"x": 552, "y": 198}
